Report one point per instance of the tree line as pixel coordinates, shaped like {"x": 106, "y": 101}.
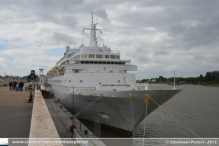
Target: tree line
{"x": 210, "y": 77}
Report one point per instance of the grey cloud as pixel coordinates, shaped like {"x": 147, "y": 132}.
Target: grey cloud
{"x": 138, "y": 55}
{"x": 176, "y": 29}
{"x": 141, "y": 49}
{"x": 198, "y": 57}
{"x": 203, "y": 33}
{"x": 69, "y": 20}
{"x": 124, "y": 24}
{"x": 100, "y": 12}
{"x": 161, "y": 52}
{"x": 63, "y": 38}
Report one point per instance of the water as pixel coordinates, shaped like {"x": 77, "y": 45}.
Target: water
{"x": 195, "y": 106}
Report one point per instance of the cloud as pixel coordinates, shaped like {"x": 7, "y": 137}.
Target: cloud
{"x": 158, "y": 36}
{"x": 100, "y": 12}
{"x": 199, "y": 57}
{"x": 69, "y": 20}
{"x": 63, "y": 38}
{"x": 161, "y": 52}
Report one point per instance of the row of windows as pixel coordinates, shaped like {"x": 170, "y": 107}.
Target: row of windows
{"x": 101, "y": 62}
{"x": 55, "y": 81}
{"x": 111, "y": 71}
{"x": 97, "y": 56}
{"x": 81, "y": 81}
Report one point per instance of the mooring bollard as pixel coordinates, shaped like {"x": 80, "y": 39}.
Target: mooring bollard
{"x": 80, "y": 126}
{"x": 30, "y": 88}
{"x": 30, "y": 99}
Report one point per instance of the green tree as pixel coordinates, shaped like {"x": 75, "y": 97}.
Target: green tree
{"x": 217, "y": 79}
{"x": 201, "y": 78}
{"x": 208, "y": 76}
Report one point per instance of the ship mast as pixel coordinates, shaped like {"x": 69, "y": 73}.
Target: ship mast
{"x": 93, "y": 38}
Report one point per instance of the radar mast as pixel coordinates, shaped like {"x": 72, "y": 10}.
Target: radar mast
{"x": 93, "y": 38}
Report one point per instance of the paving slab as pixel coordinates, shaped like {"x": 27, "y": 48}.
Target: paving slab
{"x": 15, "y": 113}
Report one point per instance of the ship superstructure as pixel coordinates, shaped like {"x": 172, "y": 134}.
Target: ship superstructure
{"x": 93, "y": 71}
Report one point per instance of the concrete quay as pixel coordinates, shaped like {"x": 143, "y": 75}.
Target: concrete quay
{"x": 15, "y": 113}
{"x": 42, "y": 118}
{"x": 61, "y": 117}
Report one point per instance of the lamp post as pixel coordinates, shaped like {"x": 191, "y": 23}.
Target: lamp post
{"x": 145, "y": 101}
{"x": 174, "y": 80}
{"x": 73, "y": 106}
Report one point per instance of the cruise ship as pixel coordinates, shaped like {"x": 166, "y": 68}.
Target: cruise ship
{"x": 94, "y": 81}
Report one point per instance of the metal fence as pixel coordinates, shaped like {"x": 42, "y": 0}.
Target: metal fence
{"x": 79, "y": 139}
{"x": 97, "y": 127}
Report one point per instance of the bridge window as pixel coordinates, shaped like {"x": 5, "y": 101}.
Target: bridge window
{"x": 112, "y": 62}
{"x": 118, "y": 81}
{"x": 108, "y": 62}
{"x": 107, "y": 56}
{"x": 83, "y": 55}
{"x": 112, "y": 57}
{"x": 111, "y": 71}
{"x": 117, "y": 57}
{"x": 98, "y": 55}
{"x": 91, "y": 62}
{"x": 91, "y": 55}
{"x": 81, "y": 81}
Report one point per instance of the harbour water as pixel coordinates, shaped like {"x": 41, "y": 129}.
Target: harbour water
{"x": 196, "y": 106}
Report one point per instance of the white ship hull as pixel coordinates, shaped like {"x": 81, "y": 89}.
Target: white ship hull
{"x": 114, "y": 108}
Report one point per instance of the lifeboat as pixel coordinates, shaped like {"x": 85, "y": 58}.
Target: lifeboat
{"x": 60, "y": 69}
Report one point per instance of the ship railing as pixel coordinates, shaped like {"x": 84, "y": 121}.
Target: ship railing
{"x": 132, "y": 65}
{"x": 74, "y": 51}
{"x": 82, "y": 89}
{"x": 64, "y": 57}
{"x": 115, "y": 85}
{"x": 114, "y": 51}
{"x": 79, "y": 139}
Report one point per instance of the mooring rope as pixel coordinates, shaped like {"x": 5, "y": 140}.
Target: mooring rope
{"x": 133, "y": 123}
{"x": 145, "y": 119}
{"x": 177, "y": 120}
{"x": 86, "y": 108}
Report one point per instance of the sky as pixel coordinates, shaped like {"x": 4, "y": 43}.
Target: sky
{"x": 159, "y": 36}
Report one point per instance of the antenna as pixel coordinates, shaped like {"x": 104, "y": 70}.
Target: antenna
{"x": 174, "y": 80}
{"x": 93, "y": 29}
{"x": 92, "y": 22}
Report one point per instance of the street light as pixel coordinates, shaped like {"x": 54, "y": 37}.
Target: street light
{"x": 145, "y": 101}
